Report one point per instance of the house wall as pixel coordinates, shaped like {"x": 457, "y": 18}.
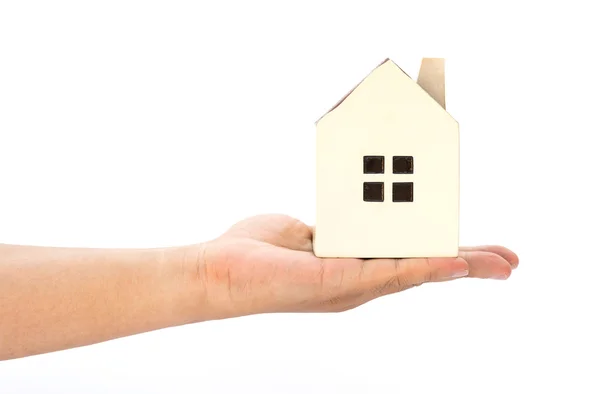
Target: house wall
{"x": 388, "y": 114}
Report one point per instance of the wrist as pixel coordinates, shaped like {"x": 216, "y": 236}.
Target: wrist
{"x": 192, "y": 301}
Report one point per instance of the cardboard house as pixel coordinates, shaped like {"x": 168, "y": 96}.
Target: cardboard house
{"x": 388, "y": 168}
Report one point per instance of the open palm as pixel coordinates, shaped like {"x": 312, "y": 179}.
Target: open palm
{"x": 266, "y": 264}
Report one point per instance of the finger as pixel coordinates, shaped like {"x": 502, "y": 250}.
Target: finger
{"x": 352, "y": 282}
{"x": 505, "y": 253}
{"x": 385, "y": 276}
{"x": 485, "y": 265}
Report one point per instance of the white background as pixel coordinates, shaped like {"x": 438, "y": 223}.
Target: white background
{"x": 145, "y": 123}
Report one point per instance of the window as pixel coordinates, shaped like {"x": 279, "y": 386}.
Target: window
{"x": 402, "y": 164}
{"x": 402, "y": 192}
{"x": 373, "y": 164}
{"x": 402, "y": 189}
{"x": 373, "y": 191}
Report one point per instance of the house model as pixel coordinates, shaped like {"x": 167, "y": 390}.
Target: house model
{"x": 388, "y": 168}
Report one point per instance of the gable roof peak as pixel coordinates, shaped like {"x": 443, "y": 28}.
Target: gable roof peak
{"x": 431, "y": 80}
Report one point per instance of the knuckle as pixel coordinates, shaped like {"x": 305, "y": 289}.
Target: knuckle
{"x": 393, "y": 285}
{"x": 428, "y": 274}
{"x": 346, "y": 308}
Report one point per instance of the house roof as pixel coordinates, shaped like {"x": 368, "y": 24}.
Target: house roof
{"x": 358, "y": 84}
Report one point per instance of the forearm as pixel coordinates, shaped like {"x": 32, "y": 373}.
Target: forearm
{"x": 57, "y": 298}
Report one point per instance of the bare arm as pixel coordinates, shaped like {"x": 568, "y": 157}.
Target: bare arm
{"x": 58, "y": 298}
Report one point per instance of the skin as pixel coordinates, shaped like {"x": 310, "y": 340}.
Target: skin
{"x": 58, "y": 298}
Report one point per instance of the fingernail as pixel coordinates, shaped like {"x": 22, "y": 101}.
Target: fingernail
{"x": 500, "y": 277}
{"x": 460, "y": 274}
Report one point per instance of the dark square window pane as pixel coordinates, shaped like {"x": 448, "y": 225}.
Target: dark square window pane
{"x": 403, "y": 165}
{"x": 373, "y": 191}
{"x": 373, "y": 164}
{"x": 402, "y": 192}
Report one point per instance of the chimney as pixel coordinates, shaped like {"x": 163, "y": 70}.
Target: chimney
{"x": 432, "y": 80}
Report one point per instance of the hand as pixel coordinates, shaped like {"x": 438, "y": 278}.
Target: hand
{"x": 266, "y": 264}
